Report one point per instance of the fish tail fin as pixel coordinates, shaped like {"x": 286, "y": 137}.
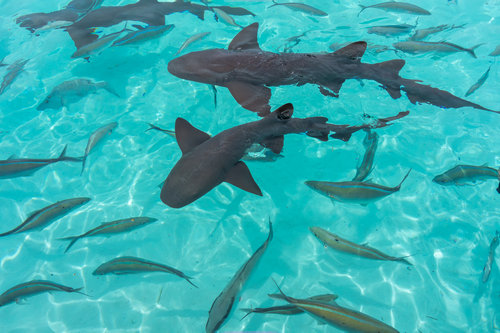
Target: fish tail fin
{"x": 401, "y": 183}
{"x": 9, "y": 232}
{"x": 83, "y": 164}
{"x": 77, "y": 290}
{"x": 62, "y": 156}
{"x": 188, "y": 279}
{"x": 404, "y": 261}
{"x": 274, "y": 4}
{"x": 248, "y": 311}
{"x": 72, "y": 242}
{"x": 362, "y": 8}
{"x": 281, "y": 295}
{"x": 471, "y": 50}
{"x": 110, "y": 89}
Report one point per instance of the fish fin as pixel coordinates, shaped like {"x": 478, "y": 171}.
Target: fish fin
{"x": 110, "y": 90}
{"x": 188, "y": 136}
{"x": 341, "y": 136}
{"x": 394, "y": 93}
{"x": 248, "y": 311}
{"x": 12, "y": 157}
{"x": 138, "y": 26}
{"x": 275, "y": 143}
{"x": 83, "y": 164}
{"x": 391, "y": 67}
{"x": 401, "y": 183}
{"x": 251, "y": 97}
{"x": 334, "y": 88}
{"x": 246, "y": 39}
{"x": 240, "y": 176}
{"x": 353, "y": 51}
{"x": 327, "y": 298}
{"x": 72, "y": 242}
{"x": 63, "y": 153}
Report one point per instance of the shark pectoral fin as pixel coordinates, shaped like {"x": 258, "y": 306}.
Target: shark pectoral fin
{"x": 188, "y": 136}
{"x": 354, "y": 51}
{"x": 251, "y": 97}
{"x": 246, "y": 39}
{"x": 275, "y": 144}
{"x": 394, "y": 93}
{"x": 241, "y": 177}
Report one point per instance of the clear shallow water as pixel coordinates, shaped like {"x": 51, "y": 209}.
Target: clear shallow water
{"x": 447, "y": 230}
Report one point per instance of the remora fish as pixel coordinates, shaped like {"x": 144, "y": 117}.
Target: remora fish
{"x": 143, "y": 34}
{"x": 300, "y": 7}
{"x": 423, "y": 33}
{"x": 338, "y": 316}
{"x": 95, "y": 138}
{"x": 223, "y": 304}
{"x": 247, "y": 72}
{"x": 391, "y": 30}
{"x": 415, "y": 46}
{"x": 220, "y": 14}
{"x": 208, "y": 161}
{"x": 343, "y": 245}
{"x": 479, "y": 82}
{"x": 131, "y": 265}
{"x": 72, "y": 91}
{"x": 398, "y": 7}
{"x": 289, "y": 309}
{"x": 98, "y": 45}
{"x": 462, "y": 174}
{"x": 110, "y": 228}
{"x": 21, "y": 167}
{"x": 370, "y": 143}
{"x": 12, "y": 72}
{"x": 191, "y": 40}
{"x": 41, "y": 218}
{"x": 353, "y": 192}
{"x": 31, "y": 288}
{"x": 487, "y": 267}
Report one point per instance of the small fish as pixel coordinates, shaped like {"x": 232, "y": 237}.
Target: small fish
{"x": 370, "y": 143}
{"x": 191, "y": 40}
{"x": 495, "y": 52}
{"x": 21, "y": 167}
{"x": 300, "y": 7}
{"x": 98, "y": 45}
{"x": 220, "y": 14}
{"x": 72, "y": 91}
{"x": 343, "y": 245}
{"x": 223, "y": 304}
{"x": 31, "y": 288}
{"x": 156, "y": 128}
{"x": 398, "y": 7}
{"x": 487, "y": 267}
{"x": 266, "y": 155}
{"x": 439, "y": 47}
{"x": 343, "y": 318}
{"x": 353, "y": 192}
{"x": 110, "y": 228}
{"x": 289, "y": 309}
{"x": 462, "y": 174}
{"x": 143, "y": 34}
{"x": 95, "y": 138}
{"x": 423, "y": 33}
{"x": 41, "y": 218}
{"x": 479, "y": 82}
{"x": 391, "y": 30}
{"x": 12, "y": 72}
{"x": 131, "y": 265}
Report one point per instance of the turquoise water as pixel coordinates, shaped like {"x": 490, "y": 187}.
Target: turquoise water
{"x": 445, "y": 230}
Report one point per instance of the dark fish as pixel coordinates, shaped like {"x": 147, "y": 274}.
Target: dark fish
{"x": 12, "y": 72}
{"x": 247, "y": 72}
{"x": 95, "y": 138}
{"x": 223, "y": 304}
{"x": 479, "y": 83}
{"x": 21, "y": 167}
{"x": 370, "y": 143}
{"x": 462, "y": 174}
{"x": 300, "y": 7}
{"x": 415, "y": 46}
{"x": 41, "y": 218}
{"x": 491, "y": 256}
{"x": 208, "y": 161}
{"x": 110, "y": 228}
{"x": 354, "y": 192}
{"x": 31, "y": 288}
{"x": 143, "y": 34}
{"x": 398, "y": 7}
{"x": 131, "y": 265}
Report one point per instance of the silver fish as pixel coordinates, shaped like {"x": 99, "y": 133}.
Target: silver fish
{"x": 391, "y": 30}
{"x": 495, "y": 52}
{"x": 439, "y": 47}
{"x": 354, "y": 192}
{"x": 72, "y": 91}
{"x": 109, "y": 228}
{"x": 98, "y": 45}
{"x": 156, "y": 128}
{"x": 301, "y": 7}
{"x": 223, "y": 304}
{"x": 31, "y": 288}
{"x": 191, "y": 40}
{"x": 131, "y": 265}
{"x": 95, "y": 138}
{"x": 398, "y": 7}
{"x": 21, "y": 167}
{"x": 370, "y": 143}
{"x": 479, "y": 82}
{"x": 343, "y": 245}
{"x": 41, "y": 218}
{"x": 423, "y": 33}
{"x": 462, "y": 174}
{"x": 12, "y": 72}
{"x": 143, "y": 34}
{"x": 220, "y": 14}
{"x": 487, "y": 267}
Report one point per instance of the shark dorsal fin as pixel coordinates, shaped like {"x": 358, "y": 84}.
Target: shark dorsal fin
{"x": 354, "y": 51}
{"x": 246, "y": 39}
{"x": 241, "y": 177}
{"x": 188, "y": 136}
{"x": 391, "y": 67}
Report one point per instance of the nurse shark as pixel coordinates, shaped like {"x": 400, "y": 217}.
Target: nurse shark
{"x": 248, "y": 72}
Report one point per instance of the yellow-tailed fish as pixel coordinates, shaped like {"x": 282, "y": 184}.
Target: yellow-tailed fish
{"x": 300, "y": 7}
{"x": 338, "y": 316}
{"x": 354, "y": 192}
{"x": 95, "y": 138}
{"x": 222, "y": 15}
{"x": 370, "y": 143}
{"x": 479, "y": 82}
{"x": 41, "y": 218}
{"x": 398, "y": 7}
{"x": 343, "y": 245}
{"x": 131, "y": 265}
{"x": 489, "y": 263}
{"x": 464, "y": 174}
{"x": 191, "y": 40}
{"x": 110, "y": 228}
